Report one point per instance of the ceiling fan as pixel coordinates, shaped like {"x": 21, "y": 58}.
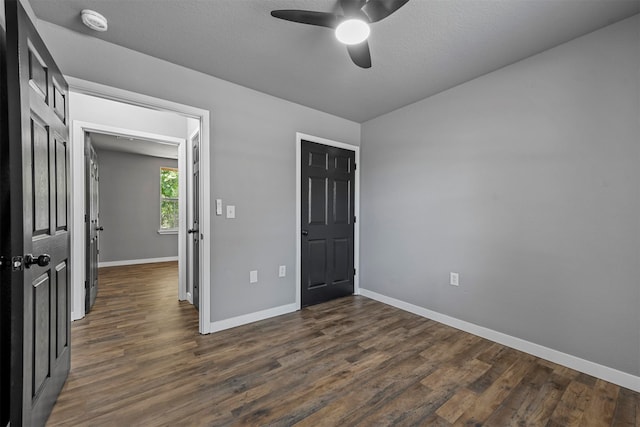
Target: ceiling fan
{"x": 351, "y": 28}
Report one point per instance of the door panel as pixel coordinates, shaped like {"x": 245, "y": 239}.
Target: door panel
{"x": 195, "y": 227}
{"x": 61, "y": 184}
{"x": 317, "y": 275}
{"x": 342, "y": 201}
{"x": 92, "y": 218}
{"x": 327, "y": 222}
{"x": 40, "y": 178}
{"x": 36, "y": 214}
{"x": 61, "y": 304}
{"x": 5, "y": 241}
{"x": 41, "y": 344}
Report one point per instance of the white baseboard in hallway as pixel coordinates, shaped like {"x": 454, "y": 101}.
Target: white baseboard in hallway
{"x": 136, "y": 261}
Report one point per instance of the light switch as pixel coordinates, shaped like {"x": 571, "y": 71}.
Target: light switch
{"x": 218, "y": 206}
{"x": 282, "y": 271}
{"x": 253, "y": 276}
{"x": 231, "y": 211}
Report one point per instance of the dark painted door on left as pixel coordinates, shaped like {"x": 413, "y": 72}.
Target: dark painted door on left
{"x": 92, "y": 222}
{"x": 36, "y": 203}
{"x": 194, "y": 231}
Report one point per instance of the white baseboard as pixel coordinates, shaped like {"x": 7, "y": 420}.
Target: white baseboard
{"x": 232, "y": 322}
{"x": 591, "y": 368}
{"x": 136, "y": 261}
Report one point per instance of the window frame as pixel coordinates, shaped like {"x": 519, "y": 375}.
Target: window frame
{"x": 162, "y": 198}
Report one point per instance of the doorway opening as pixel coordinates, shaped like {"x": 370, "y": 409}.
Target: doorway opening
{"x": 158, "y": 127}
{"x": 135, "y": 208}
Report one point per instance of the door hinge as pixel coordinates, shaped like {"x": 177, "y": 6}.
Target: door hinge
{"x": 86, "y": 218}
{"x": 13, "y": 264}
{"x": 355, "y": 166}
{"x": 354, "y": 271}
{"x": 355, "y": 219}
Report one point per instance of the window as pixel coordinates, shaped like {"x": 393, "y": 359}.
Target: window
{"x": 168, "y": 199}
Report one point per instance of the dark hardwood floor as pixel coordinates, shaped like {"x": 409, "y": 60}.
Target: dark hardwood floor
{"x": 137, "y": 359}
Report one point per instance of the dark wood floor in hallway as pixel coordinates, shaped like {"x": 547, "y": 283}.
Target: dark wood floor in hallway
{"x": 137, "y": 359}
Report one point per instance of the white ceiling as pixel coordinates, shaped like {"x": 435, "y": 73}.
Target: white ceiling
{"x": 133, "y": 145}
{"x": 426, "y": 47}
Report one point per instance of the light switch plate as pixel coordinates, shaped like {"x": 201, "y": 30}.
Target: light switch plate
{"x": 231, "y": 211}
{"x": 282, "y": 271}
{"x": 253, "y": 276}
{"x": 218, "y": 206}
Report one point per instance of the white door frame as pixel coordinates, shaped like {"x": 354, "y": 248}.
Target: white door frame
{"x": 356, "y": 231}
{"x": 77, "y": 187}
{"x": 78, "y": 130}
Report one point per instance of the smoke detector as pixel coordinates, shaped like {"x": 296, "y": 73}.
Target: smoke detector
{"x": 94, "y": 20}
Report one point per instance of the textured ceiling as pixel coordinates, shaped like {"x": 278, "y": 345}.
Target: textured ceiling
{"x": 427, "y": 46}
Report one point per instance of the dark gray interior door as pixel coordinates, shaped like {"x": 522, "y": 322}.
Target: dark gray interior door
{"x": 92, "y": 226}
{"x": 5, "y": 241}
{"x": 327, "y": 210}
{"x": 38, "y": 199}
{"x": 194, "y": 231}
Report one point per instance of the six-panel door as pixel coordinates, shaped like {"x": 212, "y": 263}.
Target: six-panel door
{"x": 327, "y": 210}
{"x": 38, "y": 138}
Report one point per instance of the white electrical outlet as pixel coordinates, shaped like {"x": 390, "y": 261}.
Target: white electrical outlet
{"x": 282, "y": 271}
{"x": 231, "y": 211}
{"x": 454, "y": 279}
{"x": 253, "y": 276}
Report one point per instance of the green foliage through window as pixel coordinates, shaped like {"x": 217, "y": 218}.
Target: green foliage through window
{"x": 168, "y": 198}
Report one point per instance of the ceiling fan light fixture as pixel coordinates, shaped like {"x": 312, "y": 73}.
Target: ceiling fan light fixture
{"x": 352, "y": 31}
{"x": 94, "y": 20}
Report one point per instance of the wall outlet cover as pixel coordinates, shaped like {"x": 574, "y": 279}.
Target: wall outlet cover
{"x": 454, "y": 279}
{"x": 231, "y": 211}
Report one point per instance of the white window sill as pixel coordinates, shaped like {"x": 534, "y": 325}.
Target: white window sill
{"x": 168, "y": 231}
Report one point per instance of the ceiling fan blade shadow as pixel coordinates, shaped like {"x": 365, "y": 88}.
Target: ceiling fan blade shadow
{"x": 360, "y": 54}
{"x": 321, "y": 19}
{"x": 377, "y": 10}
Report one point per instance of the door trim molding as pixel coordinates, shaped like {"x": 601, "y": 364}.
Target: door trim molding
{"x": 133, "y": 98}
{"x": 78, "y": 129}
{"x": 356, "y": 232}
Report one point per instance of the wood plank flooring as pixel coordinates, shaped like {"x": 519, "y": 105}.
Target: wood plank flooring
{"x": 137, "y": 359}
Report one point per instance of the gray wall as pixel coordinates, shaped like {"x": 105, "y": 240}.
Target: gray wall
{"x": 525, "y": 181}
{"x": 130, "y": 207}
{"x": 252, "y": 161}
